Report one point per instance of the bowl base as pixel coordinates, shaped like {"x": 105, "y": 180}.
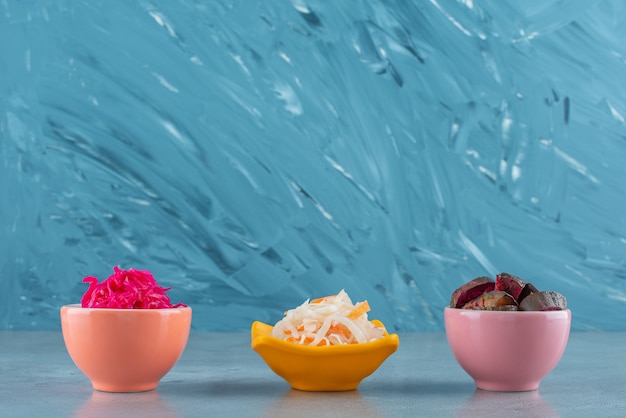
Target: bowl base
{"x": 139, "y": 387}
{"x": 506, "y": 387}
{"x": 325, "y": 388}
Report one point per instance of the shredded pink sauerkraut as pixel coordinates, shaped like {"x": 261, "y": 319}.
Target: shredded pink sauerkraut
{"x": 126, "y": 289}
{"x": 330, "y": 320}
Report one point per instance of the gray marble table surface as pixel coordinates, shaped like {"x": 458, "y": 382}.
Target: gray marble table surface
{"x": 220, "y": 375}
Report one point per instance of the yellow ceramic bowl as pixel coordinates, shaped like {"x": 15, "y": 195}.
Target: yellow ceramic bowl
{"x": 324, "y": 368}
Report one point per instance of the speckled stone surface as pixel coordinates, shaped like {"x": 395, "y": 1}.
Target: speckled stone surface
{"x": 220, "y": 374}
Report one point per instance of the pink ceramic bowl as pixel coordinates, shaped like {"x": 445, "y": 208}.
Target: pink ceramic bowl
{"x": 507, "y": 350}
{"x": 125, "y": 350}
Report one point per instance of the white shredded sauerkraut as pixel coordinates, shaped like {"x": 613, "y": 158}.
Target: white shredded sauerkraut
{"x": 328, "y": 321}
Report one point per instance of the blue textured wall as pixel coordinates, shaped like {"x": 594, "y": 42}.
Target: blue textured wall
{"x": 252, "y": 154}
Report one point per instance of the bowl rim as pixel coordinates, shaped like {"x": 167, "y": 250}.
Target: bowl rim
{"x": 77, "y": 306}
{"x": 494, "y": 312}
{"x": 261, "y": 336}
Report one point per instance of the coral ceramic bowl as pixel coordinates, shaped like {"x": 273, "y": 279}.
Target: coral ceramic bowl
{"x": 323, "y": 369}
{"x": 125, "y": 350}
{"x": 507, "y": 350}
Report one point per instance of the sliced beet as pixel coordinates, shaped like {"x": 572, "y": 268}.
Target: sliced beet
{"x": 511, "y": 284}
{"x": 491, "y": 300}
{"x": 504, "y": 308}
{"x": 471, "y": 290}
{"x": 544, "y": 301}
{"x": 528, "y": 289}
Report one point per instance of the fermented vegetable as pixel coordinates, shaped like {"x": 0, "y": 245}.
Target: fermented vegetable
{"x": 330, "y": 320}
{"x": 126, "y": 289}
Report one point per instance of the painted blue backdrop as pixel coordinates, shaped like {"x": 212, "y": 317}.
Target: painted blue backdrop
{"x": 252, "y": 154}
